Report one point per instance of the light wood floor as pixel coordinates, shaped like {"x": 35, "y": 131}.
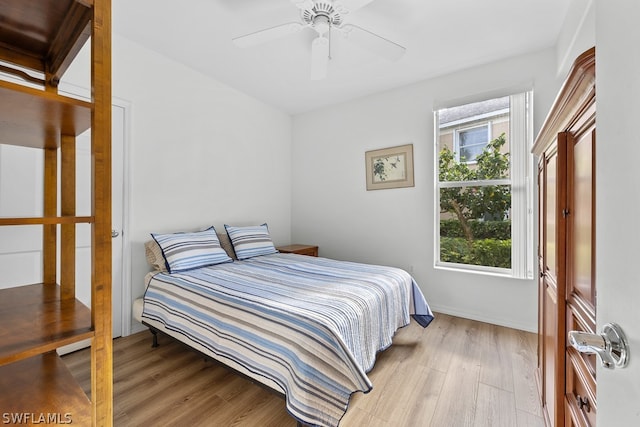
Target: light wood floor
{"x": 455, "y": 373}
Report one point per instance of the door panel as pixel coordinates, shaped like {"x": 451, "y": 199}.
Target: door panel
{"x": 550, "y": 304}
{"x": 580, "y": 379}
{"x": 582, "y": 225}
{"x": 580, "y": 403}
{"x": 83, "y": 204}
{"x": 551, "y": 195}
{"x": 541, "y": 288}
{"x": 117, "y": 218}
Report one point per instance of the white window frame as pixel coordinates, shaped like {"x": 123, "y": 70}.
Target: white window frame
{"x": 521, "y": 181}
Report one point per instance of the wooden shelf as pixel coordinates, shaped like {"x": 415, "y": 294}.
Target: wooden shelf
{"x": 47, "y": 220}
{"x": 35, "y": 320}
{"x": 44, "y": 35}
{"x": 43, "y": 386}
{"x": 37, "y": 118}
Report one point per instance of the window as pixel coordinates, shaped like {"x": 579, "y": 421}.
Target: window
{"x": 471, "y": 142}
{"x": 483, "y": 178}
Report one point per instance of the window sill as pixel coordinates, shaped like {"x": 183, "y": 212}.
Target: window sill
{"x": 477, "y": 269}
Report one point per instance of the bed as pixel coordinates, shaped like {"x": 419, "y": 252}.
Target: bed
{"x": 308, "y": 328}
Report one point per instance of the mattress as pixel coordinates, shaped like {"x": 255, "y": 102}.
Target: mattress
{"x": 308, "y": 327}
{"x": 137, "y": 309}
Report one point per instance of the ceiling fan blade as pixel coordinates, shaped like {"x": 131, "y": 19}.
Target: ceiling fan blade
{"x": 373, "y": 42}
{"x": 268, "y": 34}
{"x": 319, "y": 58}
{"x": 303, "y": 4}
{"x": 346, "y": 6}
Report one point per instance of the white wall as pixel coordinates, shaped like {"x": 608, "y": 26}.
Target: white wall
{"x": 201, "y": 153}
{"x": 331, "y": 207}
{"x": 577, "y": 35}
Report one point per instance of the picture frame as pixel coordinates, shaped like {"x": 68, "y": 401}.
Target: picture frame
{"x": 389, "y": 167}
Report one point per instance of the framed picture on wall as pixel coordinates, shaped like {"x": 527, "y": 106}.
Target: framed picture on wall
{"x": 389, "y": 167}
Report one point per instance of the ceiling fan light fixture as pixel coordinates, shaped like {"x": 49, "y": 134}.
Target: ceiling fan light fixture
{"x": 321, "y": 24}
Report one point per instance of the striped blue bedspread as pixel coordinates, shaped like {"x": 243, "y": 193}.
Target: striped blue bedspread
{"x": 308, "y": 327}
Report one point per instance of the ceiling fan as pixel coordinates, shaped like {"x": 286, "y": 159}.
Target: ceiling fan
{"x": 323, "y": 16}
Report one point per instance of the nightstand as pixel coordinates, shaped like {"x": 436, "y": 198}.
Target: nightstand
{"x": 299, "y": 249}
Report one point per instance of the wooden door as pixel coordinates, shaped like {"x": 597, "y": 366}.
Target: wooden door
{"x": 618, "y": 203}
{"x": 552, "y": 280}
{"x": 580, "y": 382}
{"x": 83, "y": 291}
{"x": 541, "y": 288}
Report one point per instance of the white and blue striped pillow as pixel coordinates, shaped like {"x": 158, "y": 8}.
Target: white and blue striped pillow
{"x": 186, "y": 251}
{"x": 252, "y": 241}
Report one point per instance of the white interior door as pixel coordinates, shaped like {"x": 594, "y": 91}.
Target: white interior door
{"x": 618, "y": 203}
{"x": 117, "y": 218}
{"x": 83, "y": 207}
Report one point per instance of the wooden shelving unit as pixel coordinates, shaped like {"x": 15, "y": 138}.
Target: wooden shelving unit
{"x": 38, "y": 41}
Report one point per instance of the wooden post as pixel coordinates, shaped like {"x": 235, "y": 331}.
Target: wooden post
{"x": 68, "y": 208}
{"x": 50, "y": 208}
{"x": 102, "y": 356}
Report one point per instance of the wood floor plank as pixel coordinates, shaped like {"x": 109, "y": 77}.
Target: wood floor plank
{"x": 441, "y": 376}
{"x": 495, "y": 407}
{"x": 456, "y": 403}
{"x": 524, "y": 368}
{"x": 497, "y": 356}
{"x": 397, "y": 395}
{"x": 439, "y": 341}
{"x": 356, "y": 416}
{"x": 526, "y": 419}
{"x": 457, "y": 400}
{"x": 420, "y": 408}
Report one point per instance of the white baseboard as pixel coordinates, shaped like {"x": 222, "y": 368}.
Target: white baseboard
{"x": 74, "y": 347}
{"x": 482, "y": 317}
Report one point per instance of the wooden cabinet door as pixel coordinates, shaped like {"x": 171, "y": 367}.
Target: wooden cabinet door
{"x": 580, "y": 383}
{"x": 581, "y": 290}
{"x": 541, "y": 290}
{"x": 552, "y": 291}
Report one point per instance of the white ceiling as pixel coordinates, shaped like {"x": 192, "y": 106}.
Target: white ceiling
{"x": 441, "y": 36}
